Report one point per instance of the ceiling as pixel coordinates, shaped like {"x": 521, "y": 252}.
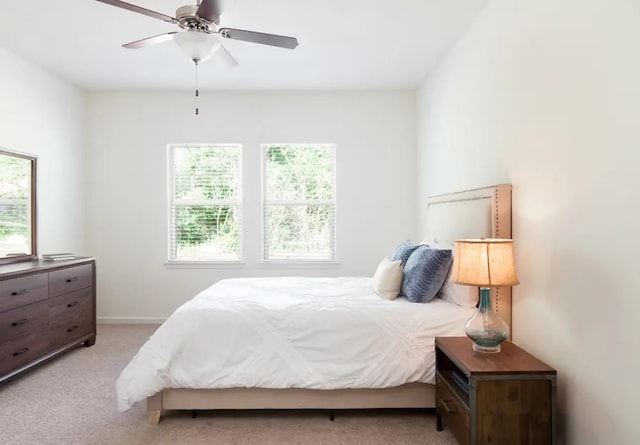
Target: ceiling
{"x": 344, "y": 44}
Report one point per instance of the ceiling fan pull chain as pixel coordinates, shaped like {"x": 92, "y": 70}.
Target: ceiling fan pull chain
{"x": 197, "y": 91}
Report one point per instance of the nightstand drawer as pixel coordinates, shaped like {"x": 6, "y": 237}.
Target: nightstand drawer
{"x": 70, "y": 279}
{"x": 452, "y": 410}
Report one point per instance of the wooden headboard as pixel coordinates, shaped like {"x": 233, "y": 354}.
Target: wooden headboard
{"x": 478, "y": 213}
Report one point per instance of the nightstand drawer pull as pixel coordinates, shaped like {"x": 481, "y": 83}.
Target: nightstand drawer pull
{"x": 447, "y": 407}
{"x": 19, "y": 292}
{"x": 73, "y": 328}
{"x": 69, "y": 280}
{"x": 19, "y": 322}
{"x": 20, "y": 352}
{"x": 72, "y": 304}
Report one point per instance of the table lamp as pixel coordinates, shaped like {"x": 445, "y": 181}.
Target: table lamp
{"x": 485, "y": 263}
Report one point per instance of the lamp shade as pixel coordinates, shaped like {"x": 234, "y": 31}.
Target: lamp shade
{"x": 197, "y": 45}
{"x": 484, "y": 262}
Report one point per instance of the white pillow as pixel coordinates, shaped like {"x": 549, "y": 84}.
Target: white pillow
{"x": 460, "y": 294}
{"x": 387, "y": 280}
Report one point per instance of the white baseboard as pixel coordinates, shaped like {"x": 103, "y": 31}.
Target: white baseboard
{"x": 130, "y": 320}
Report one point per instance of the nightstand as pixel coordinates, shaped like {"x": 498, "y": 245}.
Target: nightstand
{"x": 507, "y": 398}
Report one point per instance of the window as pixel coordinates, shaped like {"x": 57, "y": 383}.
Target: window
{"x": 299, "y": 202}
{"x": 205, "y": 202}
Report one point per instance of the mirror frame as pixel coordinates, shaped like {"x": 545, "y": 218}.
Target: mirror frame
{"x": 34, "y": 217}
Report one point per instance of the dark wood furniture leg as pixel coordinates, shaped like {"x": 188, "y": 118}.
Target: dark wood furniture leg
{"x": 90, "y": 341}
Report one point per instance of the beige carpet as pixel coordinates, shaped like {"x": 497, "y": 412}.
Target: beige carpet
{"x": 71, "y": 400}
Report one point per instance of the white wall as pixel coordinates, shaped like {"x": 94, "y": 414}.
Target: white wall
{"x": 43, "y": 116}
{"x": 545, "y": 94}
{"x": 127, "y": 224}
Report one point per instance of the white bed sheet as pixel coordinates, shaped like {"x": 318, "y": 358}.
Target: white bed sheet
{"x": 291, "y": 332}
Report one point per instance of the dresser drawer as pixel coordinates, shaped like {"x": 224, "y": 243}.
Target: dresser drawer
{"x": 21, "y": 351}
{"x": 19, "y": 322}
{"x": 452, "y": 411}
{"x": 70, "y": 317}
{"x": 70, "y": 279}
{"x": 66, "y": 333}
{"x": 21, "y": 291}
{"x": 71, "y": 306}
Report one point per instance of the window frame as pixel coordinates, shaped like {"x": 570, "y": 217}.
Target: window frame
{"x": 238, "y": 203}
{"x": 299, "y": 262}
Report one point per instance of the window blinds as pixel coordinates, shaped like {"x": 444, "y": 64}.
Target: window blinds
{"x": 299, "y": 202}
{"x": 205, "y": 213}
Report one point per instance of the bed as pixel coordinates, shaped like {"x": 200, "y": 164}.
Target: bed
{"x": 363, "y": 352}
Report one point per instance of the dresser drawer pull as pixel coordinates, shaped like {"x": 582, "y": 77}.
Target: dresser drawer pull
{"x": 19, "y": 292}
{"x": 447, "y": 407}
{"x": 73, "y": 328}
{"x": 69, "y": 280}
{"x": 19, "y": 322}
{"x": 72, "y": 304}
{"x": 20, "y": 352}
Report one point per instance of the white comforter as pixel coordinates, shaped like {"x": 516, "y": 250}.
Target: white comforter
{"x": 319, "y": 333}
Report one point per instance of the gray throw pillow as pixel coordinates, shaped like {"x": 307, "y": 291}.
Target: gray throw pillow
{"x": 403, "y": 251}
{"x": 425, "y": 272}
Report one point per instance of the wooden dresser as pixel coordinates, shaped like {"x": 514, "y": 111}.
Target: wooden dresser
{"x": 493, "y": 399}
{"x": 46, "y": 308}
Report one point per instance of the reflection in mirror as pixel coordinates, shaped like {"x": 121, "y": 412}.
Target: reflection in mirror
{"x": 17, "y": 207}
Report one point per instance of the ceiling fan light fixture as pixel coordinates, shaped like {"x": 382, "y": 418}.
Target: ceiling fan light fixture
{"x": 197, "y": 45}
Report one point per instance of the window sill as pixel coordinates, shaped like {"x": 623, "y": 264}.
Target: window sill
{"x": 204, "y": 264}
{"x": 284, "y": 264}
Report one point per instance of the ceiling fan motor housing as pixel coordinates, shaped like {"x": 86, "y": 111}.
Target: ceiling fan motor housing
{"x": 187, "y": 19}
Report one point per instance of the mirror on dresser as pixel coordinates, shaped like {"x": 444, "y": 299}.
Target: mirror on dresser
{"x": 17, "y": 207}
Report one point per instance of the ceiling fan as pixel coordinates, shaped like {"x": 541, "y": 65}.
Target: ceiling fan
{"x": 201, "y": 25}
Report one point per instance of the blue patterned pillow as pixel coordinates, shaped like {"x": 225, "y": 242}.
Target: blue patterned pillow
{"x": 425, "y": 273}
{"x": 403, "y": 251}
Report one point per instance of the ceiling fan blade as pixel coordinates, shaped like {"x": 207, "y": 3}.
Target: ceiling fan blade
{"x": 259, "y": 37}
{"x": 139, "y": 10}
{"x": 226, "y": 57}
{"x": 150, "y": 40}
{"x": 210, "y": 10}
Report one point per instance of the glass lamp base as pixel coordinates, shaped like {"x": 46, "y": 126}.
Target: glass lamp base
{"x": 486, "y": 329}
{"x": 485, "y": 349}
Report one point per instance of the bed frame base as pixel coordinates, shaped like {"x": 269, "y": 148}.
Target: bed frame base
{"x": 411, "y": 395}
